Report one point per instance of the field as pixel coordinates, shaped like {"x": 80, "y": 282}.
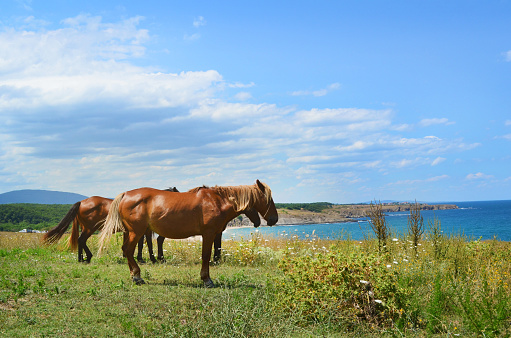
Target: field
{"x": 266, "y": 287}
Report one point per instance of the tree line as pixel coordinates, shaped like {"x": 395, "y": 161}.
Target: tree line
{"x": 314, "y": 207}
{"x": 19, "y": 216}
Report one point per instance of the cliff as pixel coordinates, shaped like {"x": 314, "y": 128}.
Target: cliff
{"x": 337, "y": 213}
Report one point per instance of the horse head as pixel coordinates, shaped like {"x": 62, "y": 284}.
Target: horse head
{"x": 265, "y": 205}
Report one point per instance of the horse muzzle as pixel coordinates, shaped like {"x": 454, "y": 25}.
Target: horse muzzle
{"x": 272, "y": 221}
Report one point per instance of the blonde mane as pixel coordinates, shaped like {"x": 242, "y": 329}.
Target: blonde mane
{"x": 242, "y": 197}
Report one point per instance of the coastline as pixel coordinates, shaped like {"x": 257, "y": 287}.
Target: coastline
{"x": 335, "y": 214}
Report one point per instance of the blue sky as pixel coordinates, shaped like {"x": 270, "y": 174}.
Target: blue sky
{"x": 338, "y": 101}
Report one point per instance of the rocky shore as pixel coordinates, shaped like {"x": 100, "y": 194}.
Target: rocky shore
{"x": 337, "y": 213}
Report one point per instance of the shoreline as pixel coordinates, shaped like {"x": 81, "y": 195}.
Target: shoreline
{"x": 335, "y": 214}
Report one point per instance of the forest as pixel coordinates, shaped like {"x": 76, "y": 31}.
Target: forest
{"x": 16, "y": 217}
{"x": 314, "y": 207}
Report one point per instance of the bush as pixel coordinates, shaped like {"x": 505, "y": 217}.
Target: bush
{"x": 340, "y": 286}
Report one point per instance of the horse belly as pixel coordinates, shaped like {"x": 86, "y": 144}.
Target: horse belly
{"x": 176, "y": 226}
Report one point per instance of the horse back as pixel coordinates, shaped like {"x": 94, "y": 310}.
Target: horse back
{"x": 93, "y": 210}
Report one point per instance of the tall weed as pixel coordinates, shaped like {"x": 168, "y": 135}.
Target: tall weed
{"x": 339, "y": 286}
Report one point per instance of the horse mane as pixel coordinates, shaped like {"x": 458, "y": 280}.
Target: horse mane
{"x": 199, "y": 188}
{"x": 241, "y": 196}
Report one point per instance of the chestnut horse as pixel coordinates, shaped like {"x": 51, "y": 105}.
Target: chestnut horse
{"x": 201, "y": 211}
{"x": 89, "y": 215}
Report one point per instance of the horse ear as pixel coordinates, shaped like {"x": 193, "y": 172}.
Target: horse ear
{"x": 260, "y": 185}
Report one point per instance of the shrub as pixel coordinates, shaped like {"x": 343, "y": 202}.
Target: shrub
{"x": 340, "y": 286}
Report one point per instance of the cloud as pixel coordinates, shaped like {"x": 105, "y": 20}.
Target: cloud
{"x": 507, "y": 56}
{"x": 319, "y": 92}
{"x": 243, "y": 96}
{"x": 415, "y": 182}
{"x": 478, "y": 176}
{"x": 191, "y": 37}
{"x": 199, "y": 21}
{"x": 437, "y": 161}
{"x": 435, "y": 121}
{"x": 507, "y": 123}
{"x": 26, "y": 4}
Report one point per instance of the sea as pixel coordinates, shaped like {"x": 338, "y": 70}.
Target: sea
{"x": 477, "y": 220}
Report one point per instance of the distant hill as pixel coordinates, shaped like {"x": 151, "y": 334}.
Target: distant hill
{"x": 40, "y": 197}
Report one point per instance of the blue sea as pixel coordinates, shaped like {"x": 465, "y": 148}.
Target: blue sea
{"x": 474, "y": 220}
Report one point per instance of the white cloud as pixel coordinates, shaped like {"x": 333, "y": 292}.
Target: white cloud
{"x": 507, "y": 123}
{"x": 243, "y": 96}
{"x": 434, "y": 121}
{"x": 507, "y": 56}
{"x": 437, "y": 161}
{"x": 191, "y": 37}
{"x": 319, "y": 92}
{"x": 199, "y": 21}
{"x": 414, "y": 182}
{"x": 478, "y": 176}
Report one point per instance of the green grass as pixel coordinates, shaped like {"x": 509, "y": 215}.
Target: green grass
{"x": 266, "y": 287}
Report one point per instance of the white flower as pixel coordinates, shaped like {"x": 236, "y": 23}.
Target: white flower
{"x": 395, "y": 262}
{"x": 378, "y": 301}
{"x": 388, "y": 265}
{"x": 395, "y": 239}
{"x": 364, "y": 281}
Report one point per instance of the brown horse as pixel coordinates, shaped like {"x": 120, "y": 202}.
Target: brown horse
{"x": 89, "y": 215}
{"x": 201, "y": 211}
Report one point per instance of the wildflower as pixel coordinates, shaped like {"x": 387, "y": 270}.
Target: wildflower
{"x": 364, "y": 281}
{"x": 388, "y": 265}
{"x": 395, "y": 239}
{"x": 378, "y": 301}
{"x": 395, "y": 262}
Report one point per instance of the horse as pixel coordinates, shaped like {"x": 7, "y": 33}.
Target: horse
{"x": 201, "y": 211}
{"x": 89, "y": 215}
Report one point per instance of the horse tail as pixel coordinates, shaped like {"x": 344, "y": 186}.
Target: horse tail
{"x": 73, "y": 239}
{"x": 112, "y": 223}
{"x": 56, "y": 233}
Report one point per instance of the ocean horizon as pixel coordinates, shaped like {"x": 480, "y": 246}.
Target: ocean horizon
{"x": 474, "y": 220}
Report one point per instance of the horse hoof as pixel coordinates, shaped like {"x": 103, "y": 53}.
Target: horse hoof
{"x": 138, "y": 280}
{"x": 209, "y": 284}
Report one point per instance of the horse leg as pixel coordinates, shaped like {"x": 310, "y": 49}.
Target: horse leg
{"x": 149, "y": 240}
{"x": 129, "y": 249}
{"x": 80, "y": 252}
{"x": 140, "y": 259}
{"x": 218, "y": 247}
{"x": 82, "y": 244}
{"x": 207, "y": 243}
{"x": 160, "y": 240}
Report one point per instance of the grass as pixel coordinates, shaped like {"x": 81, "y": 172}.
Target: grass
{"x": 266, "y": 287}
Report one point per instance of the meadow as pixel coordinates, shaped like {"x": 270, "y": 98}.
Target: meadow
{"x": 266, "y": 287}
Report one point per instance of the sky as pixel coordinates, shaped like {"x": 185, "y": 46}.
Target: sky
{"x": 335, "y": 101}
